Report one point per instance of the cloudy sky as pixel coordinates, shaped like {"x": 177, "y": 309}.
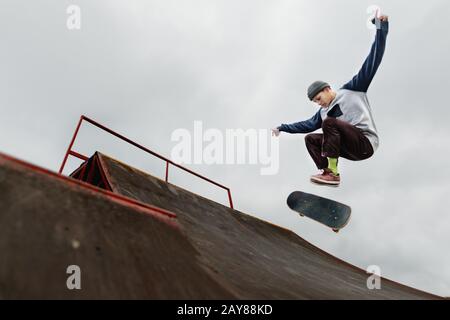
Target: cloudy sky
{"x": 147, "y": 68}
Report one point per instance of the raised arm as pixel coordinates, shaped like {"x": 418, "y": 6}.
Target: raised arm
{"x": 362, "y": 80}
{"x": 306, "y": 126}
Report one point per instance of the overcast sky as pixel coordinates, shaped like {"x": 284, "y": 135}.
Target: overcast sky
{"x": 147, "y": 68}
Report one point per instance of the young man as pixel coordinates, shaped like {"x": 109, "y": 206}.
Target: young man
{"x": 345, "y": 117}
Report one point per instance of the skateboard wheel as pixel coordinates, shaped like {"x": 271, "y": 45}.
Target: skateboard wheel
{"x": 336, "y": 230}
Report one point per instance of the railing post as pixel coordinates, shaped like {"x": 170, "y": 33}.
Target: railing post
{"x": 167, "y": 171}
{"x": 71, "y": 145}
{"x": 229, "y": 198}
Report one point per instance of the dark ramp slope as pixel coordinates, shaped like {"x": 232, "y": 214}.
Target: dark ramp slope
{"x": 125, "y": 252}
{"x": 258, "y": 260}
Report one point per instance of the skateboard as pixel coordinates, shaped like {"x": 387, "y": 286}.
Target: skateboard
{"x": 333, "y": 214}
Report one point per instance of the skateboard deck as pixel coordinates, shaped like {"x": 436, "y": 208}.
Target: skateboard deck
{"x": 333, "y": 214}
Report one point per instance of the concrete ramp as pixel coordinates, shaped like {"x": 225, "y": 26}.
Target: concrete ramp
{"x": 257, "y": 259}
{"x": 136, "y": 236}
{"x": 124, "y": 250}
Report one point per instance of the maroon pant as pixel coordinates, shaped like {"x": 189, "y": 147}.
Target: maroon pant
{"x": 339, "y": 139}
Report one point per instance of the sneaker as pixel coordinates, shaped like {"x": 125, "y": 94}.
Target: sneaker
{"x": 326, "y": 178}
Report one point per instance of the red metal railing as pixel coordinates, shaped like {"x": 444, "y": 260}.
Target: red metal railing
{"x": 168, "y": 161}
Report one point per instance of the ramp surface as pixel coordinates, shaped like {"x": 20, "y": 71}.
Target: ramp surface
{"x": 124, "y": 252}
{"x": 258, "y": 259}
{"x": 128, "y": 247}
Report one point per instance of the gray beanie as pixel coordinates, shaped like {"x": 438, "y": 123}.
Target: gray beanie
{"x": 315, "y": 88}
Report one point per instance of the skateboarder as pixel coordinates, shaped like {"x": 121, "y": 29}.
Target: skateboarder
{"x": 345, "y": 117}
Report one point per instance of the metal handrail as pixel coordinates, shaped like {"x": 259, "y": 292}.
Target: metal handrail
{"x": 168, "y": 161}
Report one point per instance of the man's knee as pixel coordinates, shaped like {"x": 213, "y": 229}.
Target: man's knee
{"x": 329, "y": 122}
{"x": 313, "y": 139}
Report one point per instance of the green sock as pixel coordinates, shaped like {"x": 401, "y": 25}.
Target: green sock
{"x": 332, "y": 165}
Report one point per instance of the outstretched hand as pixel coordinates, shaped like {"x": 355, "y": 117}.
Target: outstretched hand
{"x": 275, "y": 132}
{"x": 382, "y": 18}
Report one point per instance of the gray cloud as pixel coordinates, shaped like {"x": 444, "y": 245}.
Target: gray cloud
{"x": 146, "y": 68}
